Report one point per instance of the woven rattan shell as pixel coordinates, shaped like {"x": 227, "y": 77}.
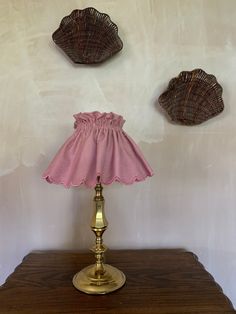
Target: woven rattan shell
{"x": 88, "y": 36}
{"x": 192, "y": 98}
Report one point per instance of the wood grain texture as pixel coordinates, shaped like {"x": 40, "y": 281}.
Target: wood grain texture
{"x": 158, "y": 281}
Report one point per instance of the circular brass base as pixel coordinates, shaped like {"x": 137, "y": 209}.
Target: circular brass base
{"x": 87, "y": 282}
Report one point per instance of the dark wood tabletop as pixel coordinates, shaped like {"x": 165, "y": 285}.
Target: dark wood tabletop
{"x": 158, "y": 281}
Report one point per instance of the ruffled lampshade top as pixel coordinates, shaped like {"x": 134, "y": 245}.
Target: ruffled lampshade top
{"x": 98, "y": 148}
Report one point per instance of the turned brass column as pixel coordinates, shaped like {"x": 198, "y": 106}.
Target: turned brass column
{"x": 99, "y": 278}
{"x": 99, "y": 225}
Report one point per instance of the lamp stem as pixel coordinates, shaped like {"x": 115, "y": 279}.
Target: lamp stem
{"x": 99, "y": 278}
{"x": 99, "y": 225}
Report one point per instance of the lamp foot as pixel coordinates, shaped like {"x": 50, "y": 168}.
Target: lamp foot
{"x": 87, "y": 281}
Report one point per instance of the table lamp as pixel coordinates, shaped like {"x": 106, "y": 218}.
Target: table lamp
{"x": 98, "y": 152}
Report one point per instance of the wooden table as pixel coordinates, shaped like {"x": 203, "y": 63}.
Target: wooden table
{"x": 158, "y": 281}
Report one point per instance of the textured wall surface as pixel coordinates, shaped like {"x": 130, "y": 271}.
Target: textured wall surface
{"x": 190, "y": 202}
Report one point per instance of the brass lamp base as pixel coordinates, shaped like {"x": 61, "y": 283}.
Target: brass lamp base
{"x": 87, "y": 281}
{"x": 99, "y": 278}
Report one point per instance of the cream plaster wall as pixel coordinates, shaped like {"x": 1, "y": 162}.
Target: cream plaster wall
{"x": 190, "y": 202}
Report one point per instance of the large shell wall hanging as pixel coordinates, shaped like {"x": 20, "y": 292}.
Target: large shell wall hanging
{"x": 192, "y": 98}
{"x": 88, "y": 36}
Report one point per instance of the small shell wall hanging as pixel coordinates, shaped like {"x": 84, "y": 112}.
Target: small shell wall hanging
{"x": 192, "y": 98}
{"x": 88, "y": 36}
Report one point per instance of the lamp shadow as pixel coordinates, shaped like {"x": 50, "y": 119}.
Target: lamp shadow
{"x": 82, "y": 209}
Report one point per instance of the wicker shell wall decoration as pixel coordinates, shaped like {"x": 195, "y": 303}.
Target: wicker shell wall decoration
{"x": 88, "y": 36}
{"x": 192, "y": 98}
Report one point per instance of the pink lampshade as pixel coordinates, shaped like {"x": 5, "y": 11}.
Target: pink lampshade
{"x": 98, "y": 148}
